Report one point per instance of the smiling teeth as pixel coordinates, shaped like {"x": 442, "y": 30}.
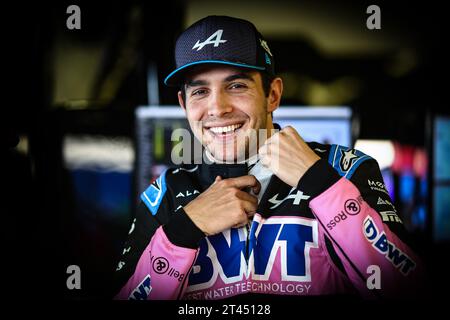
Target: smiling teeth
{"x": 225, "y": 129}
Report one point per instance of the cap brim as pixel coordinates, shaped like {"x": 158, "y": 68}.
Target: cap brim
{"x": 175, "y": 78}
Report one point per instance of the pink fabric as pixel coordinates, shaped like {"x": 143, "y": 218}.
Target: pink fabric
{"x": 355, "y": 239}
{"x": 167, "y": 265}
{"x": 360, "y": 239}
{"x": 323, "y": 278}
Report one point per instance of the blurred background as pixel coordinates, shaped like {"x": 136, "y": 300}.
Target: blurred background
{"x": 81, "y": 141}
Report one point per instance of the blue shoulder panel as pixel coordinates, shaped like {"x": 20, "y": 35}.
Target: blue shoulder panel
{"x": 154, "y": 194}
{"x": 346, "y": 160}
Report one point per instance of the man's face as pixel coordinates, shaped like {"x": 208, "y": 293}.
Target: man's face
{"x": 224, "y": 105}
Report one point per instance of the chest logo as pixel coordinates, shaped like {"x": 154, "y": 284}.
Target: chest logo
{"x": 297, "y": 197}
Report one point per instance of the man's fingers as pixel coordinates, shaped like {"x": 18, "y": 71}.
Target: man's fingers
{"x": 250, "y": 214}
{"x": 239, "y": 225}
{"x": 250, "y": 206}
{"x": 244, "y": 182}
{"x": 256, "y": 189}
{"x": 244, "y": 217}
{"x": 247, "y": 197}
{"x": 218, "y": 178}
{"x": 262, "y": 149}
{"x": 265, "y": 161}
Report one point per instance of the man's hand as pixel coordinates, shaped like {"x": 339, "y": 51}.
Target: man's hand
{"x": 224, "y": 204}
{"x": 287, "y": 155}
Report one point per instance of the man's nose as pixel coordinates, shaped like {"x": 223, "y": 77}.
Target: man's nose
{"x": 219, "y": 104}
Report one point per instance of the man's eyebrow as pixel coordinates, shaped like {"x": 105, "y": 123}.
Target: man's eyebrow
{"x": 195, "y": 83}
{"x": 236, "y": 76}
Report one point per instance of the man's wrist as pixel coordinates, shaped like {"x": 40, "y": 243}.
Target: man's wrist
{"x": 182, "y": 231}
{"x": 318, "y": 178}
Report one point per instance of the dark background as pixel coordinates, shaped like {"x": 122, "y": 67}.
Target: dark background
{"x": 392, "y": 90}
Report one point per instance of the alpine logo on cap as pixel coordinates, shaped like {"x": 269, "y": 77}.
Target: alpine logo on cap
{"x": 215, "y": 39}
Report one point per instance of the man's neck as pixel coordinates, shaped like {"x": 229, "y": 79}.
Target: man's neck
{"x": 249, "y": 160}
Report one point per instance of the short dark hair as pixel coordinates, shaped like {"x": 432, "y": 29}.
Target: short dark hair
{"x": 266, "y": 80}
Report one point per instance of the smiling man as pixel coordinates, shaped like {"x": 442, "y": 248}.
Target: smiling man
{"x": 227, "y": 107}
{"x": 268, "y": 213}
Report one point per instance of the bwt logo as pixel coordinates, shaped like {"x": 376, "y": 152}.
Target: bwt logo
{"x": 225, "y": 255}
{"x": 142, "y": 290}
{"x": 380, "y": 242}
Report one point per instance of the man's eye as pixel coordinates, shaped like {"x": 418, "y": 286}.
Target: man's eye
{"x": 198, "y": 92}
{"x": 237, "y": 86}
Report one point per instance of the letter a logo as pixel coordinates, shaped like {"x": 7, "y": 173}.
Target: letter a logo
{"x": 374, "y": 20}
{"x": 215, "y": 39}
{"x": 74, "y": 20}
{"x": 374, "y": 280}
{"x": 74, "y": 280}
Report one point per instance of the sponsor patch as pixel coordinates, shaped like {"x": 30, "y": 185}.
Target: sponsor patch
{"x": 380, "y": 243}
{"x": 377, "y": 186}
{"x": 352, "y": 207}
{"x": 346, "y": 160}
{"x": 390, "y": 216}
{"x": 153, "y": 195}
{"x": 161, "y": 265}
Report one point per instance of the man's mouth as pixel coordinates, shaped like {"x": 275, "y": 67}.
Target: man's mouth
{"x": 224, "y": 130}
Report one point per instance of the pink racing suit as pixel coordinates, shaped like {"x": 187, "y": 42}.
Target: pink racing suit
{"x": 337, "y": 232}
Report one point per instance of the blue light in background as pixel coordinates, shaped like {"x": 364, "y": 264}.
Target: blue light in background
{"x": 104, "y": 193}
{"x": 406, "y": 186}
{"x": 389, "y": 182}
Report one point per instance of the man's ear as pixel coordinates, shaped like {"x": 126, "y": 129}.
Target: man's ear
{"x": 274, "y": 98}
{"x": 181, "y": 101}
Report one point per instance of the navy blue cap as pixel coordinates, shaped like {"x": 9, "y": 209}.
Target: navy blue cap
{"x": 220, "y": 40}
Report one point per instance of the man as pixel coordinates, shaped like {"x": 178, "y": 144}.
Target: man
{"x": 292, "y": 218}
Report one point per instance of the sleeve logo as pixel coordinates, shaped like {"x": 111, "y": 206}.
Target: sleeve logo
{"x": 154, "y": 194}
{"x": 380, "y": 242}
{"x": 347, "y": 159}
{"x": 352, "y": 207}
{"x": 142, "y": 290}
{"x": 161, "y": 265}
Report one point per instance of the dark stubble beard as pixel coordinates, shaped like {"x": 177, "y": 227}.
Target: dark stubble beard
{"x": 249, "y": 149}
